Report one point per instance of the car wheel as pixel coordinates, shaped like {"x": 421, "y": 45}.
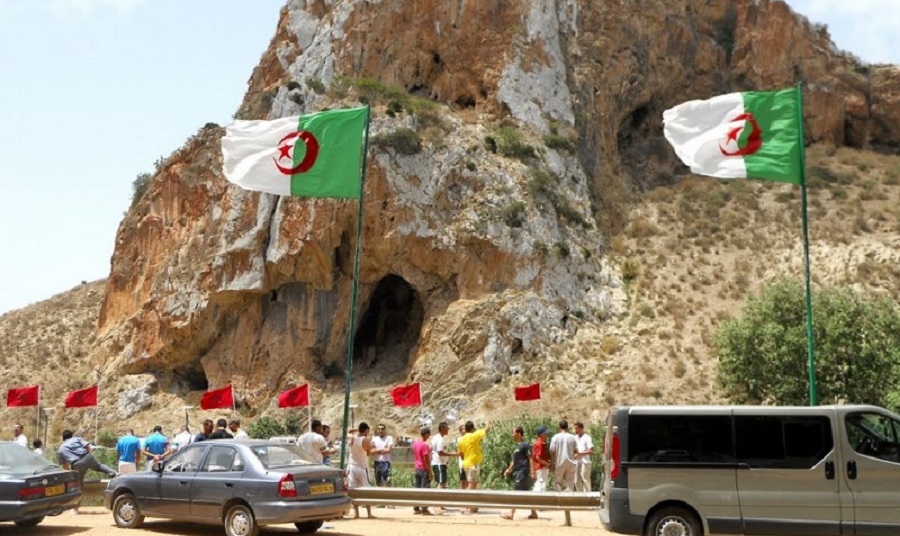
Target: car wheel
{"x": 29, "y": 522}
{"x": 126, "y": 512}
{"x": 673, "y": 521}
{"x": 239, "y": 521}
{"x": 308, "y": 527}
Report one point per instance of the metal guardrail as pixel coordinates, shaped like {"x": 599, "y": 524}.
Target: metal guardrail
{"x": 478, "y": 498}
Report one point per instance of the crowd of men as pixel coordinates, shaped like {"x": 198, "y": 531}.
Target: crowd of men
{"x": 566, "y": 455}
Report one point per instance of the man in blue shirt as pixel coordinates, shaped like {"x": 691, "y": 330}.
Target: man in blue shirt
{"x": 75, "y": 454}
{"x": 156, "y": 446}
{"x": 127, "y": 451}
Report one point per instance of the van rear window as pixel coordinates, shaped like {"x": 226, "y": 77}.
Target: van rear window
{"x": 680, "y": 439}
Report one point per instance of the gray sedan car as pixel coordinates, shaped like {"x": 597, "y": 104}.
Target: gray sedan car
{"x": 241, "y": 484}
{"x": 32, "y": 487}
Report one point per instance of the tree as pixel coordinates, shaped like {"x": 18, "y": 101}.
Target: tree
{"x": 265, "y": 427}
{"x": 763, "y": 353}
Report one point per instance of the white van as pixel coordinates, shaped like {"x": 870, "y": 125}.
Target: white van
{"x": 799, "y": 471}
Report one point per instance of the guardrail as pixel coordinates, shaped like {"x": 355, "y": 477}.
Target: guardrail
{"x": 478, "y": 498}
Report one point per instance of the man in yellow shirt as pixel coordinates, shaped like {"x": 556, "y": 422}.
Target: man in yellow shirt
{"x": 472, "y": 455}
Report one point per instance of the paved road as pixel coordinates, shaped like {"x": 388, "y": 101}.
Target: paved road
{"x": 97, "y": 521}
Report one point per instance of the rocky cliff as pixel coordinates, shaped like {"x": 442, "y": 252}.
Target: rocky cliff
{"x": 510, "y": 141}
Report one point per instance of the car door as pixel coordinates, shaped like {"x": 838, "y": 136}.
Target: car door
{"x": 786, "y": 471}
{"x": 872, "y": 470}
{"x": 217, "y": 481}
{"x": 173, "y": 487}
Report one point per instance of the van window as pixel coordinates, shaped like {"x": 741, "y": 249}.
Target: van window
{"x": 680, "y": 439}
{"x": 874, "y": 435}
{"x": 788, "y": 442}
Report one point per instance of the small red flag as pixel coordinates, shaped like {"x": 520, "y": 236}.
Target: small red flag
{"x": 23, "y": 396}
{"x": 292, "y": 398}
{"x": 528, "y": 392}
{"x": 407, "y": 395}
{"x": 218, "y": 398}
{"x": 83, "y": 398}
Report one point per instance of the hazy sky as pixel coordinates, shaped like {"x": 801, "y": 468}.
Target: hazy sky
{"x": 92, "y": 92}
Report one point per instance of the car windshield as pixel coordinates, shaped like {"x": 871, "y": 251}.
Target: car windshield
{"x": 17, "y": 460}
{"x": 281, "y": 455}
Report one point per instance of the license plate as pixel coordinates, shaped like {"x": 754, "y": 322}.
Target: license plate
{"x": 50, "y": 491}
{"x": 319, "y": 489}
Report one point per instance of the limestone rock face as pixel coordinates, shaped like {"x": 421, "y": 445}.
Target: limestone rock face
{"x": 477, "y": 270}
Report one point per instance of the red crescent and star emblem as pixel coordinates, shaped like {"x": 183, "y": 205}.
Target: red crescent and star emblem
{"x": 286, "y": 150}
{"x": 754, "y": 140}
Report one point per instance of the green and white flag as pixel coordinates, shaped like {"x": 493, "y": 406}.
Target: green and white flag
{"x": 756, "y": 134}
{"x": 315, "y": 155}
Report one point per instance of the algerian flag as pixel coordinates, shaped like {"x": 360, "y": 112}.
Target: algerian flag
{"x": 315, "y": 155}
{"x": 756, "y": 134}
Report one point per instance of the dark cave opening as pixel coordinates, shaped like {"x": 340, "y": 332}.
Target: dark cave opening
{"x": 191, "y": 376}
{"x": 388, "y": 332}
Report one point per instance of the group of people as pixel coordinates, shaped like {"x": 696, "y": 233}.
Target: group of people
{"x": 566, "y": 456}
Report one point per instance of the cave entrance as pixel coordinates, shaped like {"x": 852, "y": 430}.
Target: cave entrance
{"x": 389, "y": 330}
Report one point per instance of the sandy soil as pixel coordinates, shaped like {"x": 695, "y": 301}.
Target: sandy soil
{"x": 97, "y": 521}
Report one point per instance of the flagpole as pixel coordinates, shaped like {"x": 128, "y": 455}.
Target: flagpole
{"x": 37, "y": 429}
{"x": 541, "y": 399}
{"x": 354, "y": 288}
{"x": 810, "y": 343}
{"x": 233, "y": 403}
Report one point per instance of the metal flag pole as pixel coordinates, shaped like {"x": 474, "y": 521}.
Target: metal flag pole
{"x": 37, "y": 428}
{"x": 810, "y": 342}
{"x": 97, "y": 416}
{"x": 354, "y": 287}
{"x": 233, "y": 403}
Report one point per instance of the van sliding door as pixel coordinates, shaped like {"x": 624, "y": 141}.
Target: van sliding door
{"x": 872, "y": 471}
{"x": 786, "y": 473}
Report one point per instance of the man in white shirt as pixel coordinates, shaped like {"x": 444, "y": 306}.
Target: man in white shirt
{"x": 235, "y": 426}
{"x": 183, "y": 438}
{"x": 584, "y": 449}
{"x": 440, "y": 457}
{"x": 381, "y": 449}
{"x": 358, "y": 469}
{"x": 19, "y": 437}
{"x": 313, "y": 442}
{"x": 562, "y": 449}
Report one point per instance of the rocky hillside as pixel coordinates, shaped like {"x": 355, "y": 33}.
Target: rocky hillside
{"x": 524, "y": 219}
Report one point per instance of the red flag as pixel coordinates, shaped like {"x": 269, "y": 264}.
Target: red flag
{"x": 528, "y": 392}
{"x": 23, "y": 396}
{"x": 407, "y": 395}
{"x": 218, "y": 398}
{"x": 292, "y": 398}
{"x": 83, "y": 398}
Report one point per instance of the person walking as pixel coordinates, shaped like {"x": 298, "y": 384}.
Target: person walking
{"x": 221, "y": 431}
{"x": 519, "y": 468}
{"x": 584, "y": 450}
{"x": 459, "y": 458}
{"x": 207, "y": 430}
{"x": 540, "y": 463}
{"x": 128, "y": 448}
{"x": 382, "y": 444}
{"x": 314, "y": 443}
{"x": 156, "y": 447}
{"x": 421, "y": 451}
{"x": 562, "y": 451}
{"x": 75, "y": 454}
{"x": 470, "y": 448}
{"x": 360, "y": 444}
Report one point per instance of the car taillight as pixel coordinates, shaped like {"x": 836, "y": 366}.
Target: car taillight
{"x": 614, "y": 457}
{"x": 31, "y": 493}
{"x": 286, "y": 487}
{"x": 72, "y": 486}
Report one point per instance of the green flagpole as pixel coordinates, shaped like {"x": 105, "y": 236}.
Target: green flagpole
{"x": 810, "y": 343}
{"x": 354, "y": 288}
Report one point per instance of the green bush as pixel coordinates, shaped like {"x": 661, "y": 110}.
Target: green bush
{"x": 402, "y": 140}
{"x": 558, "y": 142}
{"x": 107, "y": 438}
{"x": 316, "y": 85}
{"x": 763, "y": 353}
{"x": 139, "y": 186}
{"x": 514, "y": 214}
{"x": 266, "y": 427}
{"x": 293, "y": 424}
{"x": 510, "y": 143}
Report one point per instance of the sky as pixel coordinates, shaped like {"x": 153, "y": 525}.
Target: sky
{"x": 93, "y": 92}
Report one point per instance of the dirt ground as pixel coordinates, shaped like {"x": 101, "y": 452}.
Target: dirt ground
{"x": 97, "y": 521}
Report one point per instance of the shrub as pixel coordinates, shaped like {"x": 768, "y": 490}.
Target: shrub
{"x": 210, "y": 125}
{"x": 763, "y": 353}
{"x": 562, "y": 249}
{"x": 107, "y": 438}
{"x": 139, "y": 186}
{"x": 293, "y": 424}
{"x": 514, "y": 214}
{"x": 402, "y": 140}
{"x": 316, "y": 85}
{"x": 266, "y": 427}
{"x": 510, "y": 143}
{"x": 292, "y": 85}
{"x": 556, "y": 141}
